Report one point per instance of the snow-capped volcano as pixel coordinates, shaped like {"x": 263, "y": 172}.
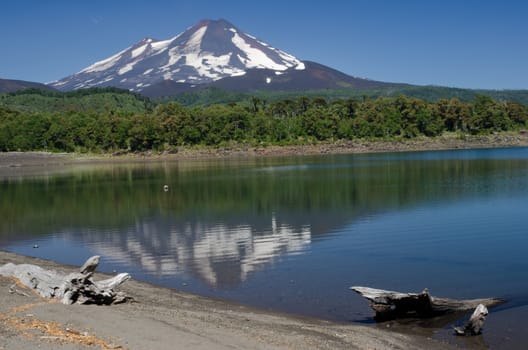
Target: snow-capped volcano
{"x": 206, "y": 52}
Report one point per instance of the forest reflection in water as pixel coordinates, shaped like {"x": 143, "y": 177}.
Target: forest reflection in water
{"x": 286, "y": 233}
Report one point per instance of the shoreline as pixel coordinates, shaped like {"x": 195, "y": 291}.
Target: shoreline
{"x": 164, "y": 318}
{"x": 170, "y": 316}
{"x": 445, "y": 142}
{"x": 15, "y": 161}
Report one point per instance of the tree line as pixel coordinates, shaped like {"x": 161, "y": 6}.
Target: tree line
{"x": 254, "y": 121}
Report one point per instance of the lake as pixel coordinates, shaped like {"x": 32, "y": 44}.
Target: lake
{"x": 293, "y": 234}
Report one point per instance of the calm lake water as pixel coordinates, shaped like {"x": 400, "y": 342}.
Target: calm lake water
{"x": 293, "y": 234}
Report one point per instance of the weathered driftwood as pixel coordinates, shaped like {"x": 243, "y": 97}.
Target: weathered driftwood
{"x": 90, "y": 265}
{"x": 475, "y": 323}
{"x": 391, "y": 305}
{"x": 72, "y": 288}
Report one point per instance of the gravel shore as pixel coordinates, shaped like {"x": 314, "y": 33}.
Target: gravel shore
{"x": 164, "y": 318}
{"x": 20, "y": 163}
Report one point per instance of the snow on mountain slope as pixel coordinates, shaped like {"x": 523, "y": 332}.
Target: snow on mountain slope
{"x": 206, "y": 52}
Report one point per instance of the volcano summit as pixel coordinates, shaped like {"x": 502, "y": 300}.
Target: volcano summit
{"x": 209, "y": 51}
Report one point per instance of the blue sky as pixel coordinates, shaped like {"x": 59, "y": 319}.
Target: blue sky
{"x": 464, "y": 43}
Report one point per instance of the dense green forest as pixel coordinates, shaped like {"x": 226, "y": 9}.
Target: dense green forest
{"x": 84, "y": 100}
{"x": 212, "y": 95}
{"x": 108, "y": 120}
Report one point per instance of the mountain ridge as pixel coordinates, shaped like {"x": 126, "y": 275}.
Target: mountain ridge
{"x": 208, "y": 51}
{"x": 11, "y": 85}
{"x": 216, "y": 54}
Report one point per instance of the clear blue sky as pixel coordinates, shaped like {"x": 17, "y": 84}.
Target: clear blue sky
{"x": 460, "y": 43}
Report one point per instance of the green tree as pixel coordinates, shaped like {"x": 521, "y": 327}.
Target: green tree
{"x": 145, "y": 133}
{"x": 59, "y": 135}
{"x": 488, "y": 116}
{"x": 517, "y": 113}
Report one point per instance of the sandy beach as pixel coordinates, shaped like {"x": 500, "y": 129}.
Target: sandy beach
{"x": 163, "y": 318}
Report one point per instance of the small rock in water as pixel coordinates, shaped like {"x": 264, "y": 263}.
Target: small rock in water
{"x": 35, "y": 245}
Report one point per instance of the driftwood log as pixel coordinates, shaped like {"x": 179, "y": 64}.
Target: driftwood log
{"x": 390, "y": 305}
{"x": 78, "y": 287}
{"x": 475, "y": 323}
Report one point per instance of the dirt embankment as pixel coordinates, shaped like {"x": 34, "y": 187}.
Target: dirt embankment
{"x": 446, "y": 142}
